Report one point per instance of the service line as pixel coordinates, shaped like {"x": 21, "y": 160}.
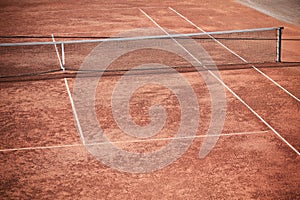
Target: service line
{"x": 132, "y": 141}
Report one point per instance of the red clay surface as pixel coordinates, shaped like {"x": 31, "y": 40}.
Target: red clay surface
{"x": 38, "y": 113}
{"x": 285, "y": 11}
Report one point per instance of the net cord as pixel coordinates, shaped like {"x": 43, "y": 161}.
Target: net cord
{"x": 141, "y": 37}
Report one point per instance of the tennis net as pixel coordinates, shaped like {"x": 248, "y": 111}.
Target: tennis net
{"x": 224, "y": 47}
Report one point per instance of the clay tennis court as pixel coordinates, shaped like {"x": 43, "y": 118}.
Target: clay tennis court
{"x": 42, "y": 153}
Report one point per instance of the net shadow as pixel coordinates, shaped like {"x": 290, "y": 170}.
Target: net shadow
{"x": 74, "y": 73}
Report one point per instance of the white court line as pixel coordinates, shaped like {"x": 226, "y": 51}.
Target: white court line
{"x": 57, "y": 53}
{"x": 234, "y": 53}
{"x": 70, "y": 95}
{"x": 131, "y": 141}
{"x": 220, "y": 81}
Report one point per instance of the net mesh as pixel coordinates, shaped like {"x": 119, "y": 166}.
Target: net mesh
{"x": 252, "y": 46}
{"x": 224, "y": 49}
{"x": 228, "y": 48}
{"x": 27, "y": 60}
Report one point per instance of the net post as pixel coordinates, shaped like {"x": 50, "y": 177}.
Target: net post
{"x": 63, "y": 54}
{"x": 279, "y": 38}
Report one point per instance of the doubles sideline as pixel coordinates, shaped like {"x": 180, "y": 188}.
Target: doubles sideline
{"x": 227, "y": 87}
{"x": 234, "y": 53}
